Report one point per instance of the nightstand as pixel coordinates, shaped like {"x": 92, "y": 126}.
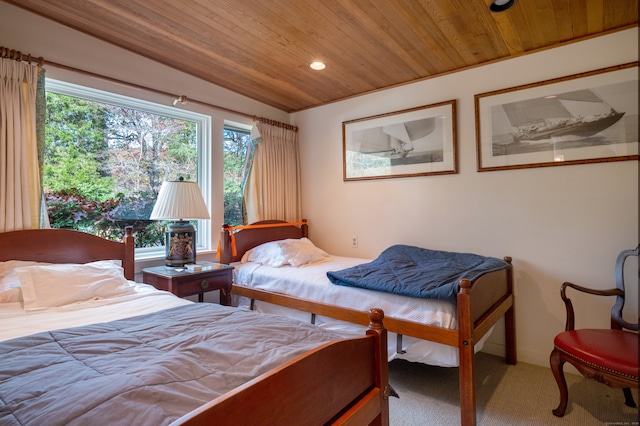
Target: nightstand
{"x": 185, "y": 283}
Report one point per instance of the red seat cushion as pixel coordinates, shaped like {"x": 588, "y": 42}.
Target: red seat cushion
{"x": 615, "y": 350}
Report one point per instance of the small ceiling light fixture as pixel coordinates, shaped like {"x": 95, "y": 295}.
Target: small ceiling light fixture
{"x": 182, "y": 99}
{"x": 317, "y": 65}
{"x": 501, "y": 5}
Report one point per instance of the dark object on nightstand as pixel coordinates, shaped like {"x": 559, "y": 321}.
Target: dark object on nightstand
{"x": 179, "y": 201}
{"x": 183, "y": 283}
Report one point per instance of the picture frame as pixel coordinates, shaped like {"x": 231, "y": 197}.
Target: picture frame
{"x": 419, "y": 141}
{"x": 582, "y": 118}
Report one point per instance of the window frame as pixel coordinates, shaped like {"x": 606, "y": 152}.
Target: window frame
{"x": 233, "y": 127}
{"x": 204, "y": 143}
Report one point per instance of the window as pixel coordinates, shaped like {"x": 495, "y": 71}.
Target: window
{"x": 236, "y": 142}
{"x": 106, "y": 156}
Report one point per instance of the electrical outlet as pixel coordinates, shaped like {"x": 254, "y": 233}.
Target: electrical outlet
{"x": 354, "y": 241}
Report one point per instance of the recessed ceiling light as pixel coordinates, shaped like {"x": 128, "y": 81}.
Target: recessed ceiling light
{"x": 501, "y": 5}
{"x": 317, "y": 65}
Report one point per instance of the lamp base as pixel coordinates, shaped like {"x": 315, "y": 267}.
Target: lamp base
{"x": 180, "y": 244}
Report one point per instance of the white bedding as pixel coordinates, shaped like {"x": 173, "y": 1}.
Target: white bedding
{"x": 16, "y": 322}
{"x": 310, "y": 282}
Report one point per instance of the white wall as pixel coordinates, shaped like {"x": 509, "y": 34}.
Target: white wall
{"x": 559, "y": 224}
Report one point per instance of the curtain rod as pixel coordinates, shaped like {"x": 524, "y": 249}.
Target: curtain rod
{"x": 275, "y": 123}
{"x": 19, "y": 56}
{"x": 177, "y": 99}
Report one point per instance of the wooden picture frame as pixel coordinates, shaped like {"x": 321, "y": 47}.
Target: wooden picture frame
{"x": 582, "y": 118}
{"x": 413, "y": 142}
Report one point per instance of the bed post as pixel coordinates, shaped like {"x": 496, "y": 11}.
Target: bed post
{"x": 225, "y": 244}
{"x": 510, "y": 320}
{"x": 465, "y": 351}
{"x": 128, "y": 258}
{"x": 305, "y": 229}
{"x": 376, "y": 329}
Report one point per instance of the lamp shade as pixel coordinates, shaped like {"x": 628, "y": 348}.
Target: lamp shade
{"x": 179, "y": 200}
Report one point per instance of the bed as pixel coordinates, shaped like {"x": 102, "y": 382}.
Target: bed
{"x": 131, "y": 354}
{"x": 460, "y": 327}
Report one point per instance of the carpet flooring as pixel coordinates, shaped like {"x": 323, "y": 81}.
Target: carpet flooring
{"x": 522, "y": 394}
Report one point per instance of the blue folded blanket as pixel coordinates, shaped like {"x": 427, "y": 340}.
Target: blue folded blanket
{"x": 417, "y": 272}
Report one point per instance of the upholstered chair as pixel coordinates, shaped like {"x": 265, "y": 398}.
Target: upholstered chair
{"x": 609, "y": 356}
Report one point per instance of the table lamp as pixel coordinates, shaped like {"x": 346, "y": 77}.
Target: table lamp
{"x": 180, "y": 201}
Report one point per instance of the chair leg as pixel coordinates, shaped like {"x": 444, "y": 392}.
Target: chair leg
{"x": 628, "y": 398}
{"x": 557, "y": 364}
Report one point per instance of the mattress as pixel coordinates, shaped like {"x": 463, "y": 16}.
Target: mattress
{"x": 310, "y": 282}
{"x": 16, "y": 322}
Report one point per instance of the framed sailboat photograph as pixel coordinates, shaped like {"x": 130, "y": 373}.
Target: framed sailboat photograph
{"x": 413, "y": 142}
{"x": 583, "y": 118}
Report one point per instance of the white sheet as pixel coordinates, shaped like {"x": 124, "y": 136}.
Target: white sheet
{"x": 311, "y": 282}
{"x": 15, "y": 322}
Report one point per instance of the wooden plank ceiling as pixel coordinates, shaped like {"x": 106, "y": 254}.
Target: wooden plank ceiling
{"x": 262, "y": 48}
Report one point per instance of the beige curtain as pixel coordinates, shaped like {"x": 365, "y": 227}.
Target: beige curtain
{"x": 20, "y": 193}
{"x": 272, "y": 188}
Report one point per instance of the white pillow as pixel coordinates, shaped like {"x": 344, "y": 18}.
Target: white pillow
{"x": 301, "y": 251}
{"x": 9, "y": 282}
{"x": 61, "y": 284}
{"x": 269, "y": 254}
{"x": 294, "y": 252}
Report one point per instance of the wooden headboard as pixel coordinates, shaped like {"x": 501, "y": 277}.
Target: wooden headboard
{"x": 67, "y": 246}
{"x": 246, "y": 239}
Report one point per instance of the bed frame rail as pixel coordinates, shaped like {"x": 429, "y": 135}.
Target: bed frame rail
{"x": 394, "y": 325}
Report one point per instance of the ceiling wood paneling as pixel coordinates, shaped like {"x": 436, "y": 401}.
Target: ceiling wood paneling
{"x": 262, "y": 48}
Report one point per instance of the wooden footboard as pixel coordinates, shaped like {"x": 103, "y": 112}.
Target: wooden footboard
{"x": 480, "y": 304}
{"x": 343, "y": 382}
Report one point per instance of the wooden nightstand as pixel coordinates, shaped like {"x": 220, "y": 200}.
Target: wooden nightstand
{"x": 184, "y": 283}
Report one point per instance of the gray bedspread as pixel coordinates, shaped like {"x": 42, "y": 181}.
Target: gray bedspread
{"x": 146, "y": 370}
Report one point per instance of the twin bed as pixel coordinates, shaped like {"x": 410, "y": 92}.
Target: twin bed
{"x": 81, "y": 343}
{"x": 278, "y": 270}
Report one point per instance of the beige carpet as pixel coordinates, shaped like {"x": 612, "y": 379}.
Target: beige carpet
{"x": 523, "y": 394}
